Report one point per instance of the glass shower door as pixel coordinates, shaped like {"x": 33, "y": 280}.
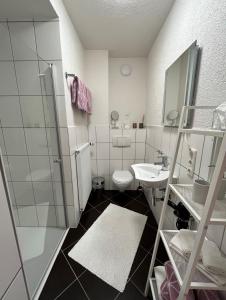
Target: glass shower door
{"x": 29, "y": 141}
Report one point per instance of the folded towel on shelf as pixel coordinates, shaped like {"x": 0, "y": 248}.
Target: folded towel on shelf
{"x": 184, "y": 242}
{"x": 212, "y": 259}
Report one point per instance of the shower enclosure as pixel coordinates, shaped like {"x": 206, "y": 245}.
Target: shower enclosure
{"x": 30, "y": 146}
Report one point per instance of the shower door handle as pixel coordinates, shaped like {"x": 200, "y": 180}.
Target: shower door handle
{"x": 57, "y": 160}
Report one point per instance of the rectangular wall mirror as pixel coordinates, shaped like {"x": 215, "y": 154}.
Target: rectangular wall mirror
{"x": 179, "y": 87}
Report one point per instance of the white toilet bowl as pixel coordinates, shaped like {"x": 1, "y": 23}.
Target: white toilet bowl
{"x": 122, "y": 179}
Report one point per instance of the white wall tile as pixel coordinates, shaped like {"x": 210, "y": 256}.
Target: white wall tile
{"x": 141, "y": 135}
{"x": 46, "y": 216}
{"x": 19, "y": 168}
{"x": 126, "y": 164}
{"x": 131, "y": 133}
{"x": 102, "y": 167}
{"x": 69, "y": 193}
{"x": 60, "y": 216}
{"x": 129, "y": 152}
{"x": 93, "y": 151}
{"x": 2, "y": 143}
{"x": 23, "y": 40}
{"x": 48, "y": 40}
{"x": 64, "y": 141}
{"x": 14, "y": 141}
{"x": 115, "y": 132}
{"x": 10, "y": 114}
{"x": 72, "y": 138}
{"x": 166, "y": 141}
{"x": 55, "y": 169}
{"x": 103, "y": 133}
{"x": 8, "y": 85}
{"x": 27, "y": 216}
{"x": 102, "y": 150}
{"x": 67, "y": 161}
{"x": 71, "y": 216}
{"x": 7, "y": 167}
{"x": 43, "y": 193}
{"x": 5, "y": 49}
{"x": 52, "y": 141}
{"x": 36, "y": 141}
{"x": 94, "y": 167}
{"x": 11, "y": 194}
{"x": 115, "y": 165}
{"x": 32, "y": 111}
{"x": 115, "y": 152}
{"x": 23, "y": 193}
{"x": 57, "y": 193}
{"x": 61, "y": 109}
{"x": 92, "y": 133}
{"x": 28, "y": 77}
{"x": 40, "y": 168}
{"x": 49, "y": 113}
{"x": 140, "y": 151}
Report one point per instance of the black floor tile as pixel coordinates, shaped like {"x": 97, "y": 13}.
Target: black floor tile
{"x": 131, "y": 293}
{"x": 121, "y": 199}
{"x": 90, "y": 217}
{"x": 74, "y": 234}
{"x": 148, "y": 237}
{"x": 140, "y": 255}
{"x": 151, "y": 220}
{"x": 137, "y": 207}
{"x": 162, "y": 254}
{"x": 77, "y": 268}
{"x": 96, "y": 197}
{"x": 142, "y": 199}
{"x": 110, "y": 193}
{"x": 59, "y": 278}
{"x": 140, "y": 276}
{"x": 133, "y": 193}
{"x": 75, "y": 291}
{"x": 96, "y": 288}
{"x": 101, "y": 207}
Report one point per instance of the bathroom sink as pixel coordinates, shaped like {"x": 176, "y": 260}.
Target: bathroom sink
{"x": 150, "y": 175}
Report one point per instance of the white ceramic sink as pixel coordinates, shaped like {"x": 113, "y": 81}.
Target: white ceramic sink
{"x": 150, "y": 175}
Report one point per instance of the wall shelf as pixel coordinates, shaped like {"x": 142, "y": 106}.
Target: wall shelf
{"x": 201, "y": 279}
{"x": 184, "y": 193}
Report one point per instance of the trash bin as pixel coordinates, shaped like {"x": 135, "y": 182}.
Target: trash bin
{"x": 98, "y": 183}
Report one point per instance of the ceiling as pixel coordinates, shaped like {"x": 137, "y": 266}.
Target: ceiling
{"x": 26, "y": 9}
{"x": 124, "y": 27}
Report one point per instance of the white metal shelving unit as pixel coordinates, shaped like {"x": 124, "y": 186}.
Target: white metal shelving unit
{"x": 191, "y": 273}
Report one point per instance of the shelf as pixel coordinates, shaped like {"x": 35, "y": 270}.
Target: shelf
{"x": 184, "y": 192}
{"x": 179, "y": 263}
{"x": 203, "y": 131}
{"x": 156, "y": 282}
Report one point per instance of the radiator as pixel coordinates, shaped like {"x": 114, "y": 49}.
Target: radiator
{"x": 83, "y": 168}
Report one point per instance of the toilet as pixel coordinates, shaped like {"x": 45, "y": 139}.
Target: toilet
{"x": 122, "y": 179}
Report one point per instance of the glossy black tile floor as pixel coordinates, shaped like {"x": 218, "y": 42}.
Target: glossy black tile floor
{"x": 69, "y": 280}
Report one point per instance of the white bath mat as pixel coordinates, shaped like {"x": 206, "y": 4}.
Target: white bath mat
{"x": 108, "y": 248}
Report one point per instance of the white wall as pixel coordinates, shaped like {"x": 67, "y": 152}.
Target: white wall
{"x": 96, "y": 78}
{"x": 203, "y": 21}
{"x": 127, "y": 94}
{"x": 72, "y": 57}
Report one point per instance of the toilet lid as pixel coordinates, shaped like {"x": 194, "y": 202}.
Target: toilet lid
{"x": 122, "y": 176}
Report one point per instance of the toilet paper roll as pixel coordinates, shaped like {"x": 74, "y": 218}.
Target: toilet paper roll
{"x": 200, "y": 191}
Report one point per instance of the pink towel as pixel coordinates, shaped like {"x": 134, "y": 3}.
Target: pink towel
{"x": 170, "y": 288}
{"x": 80, "y": 95}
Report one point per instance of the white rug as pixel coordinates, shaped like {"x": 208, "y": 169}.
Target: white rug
{"x": 108, "y": 248}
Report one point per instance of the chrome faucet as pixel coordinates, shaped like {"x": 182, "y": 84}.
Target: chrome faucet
{"x": 165, "y": 162}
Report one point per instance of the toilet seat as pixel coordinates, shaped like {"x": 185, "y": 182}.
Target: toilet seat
{"x": 122, "y": 177}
